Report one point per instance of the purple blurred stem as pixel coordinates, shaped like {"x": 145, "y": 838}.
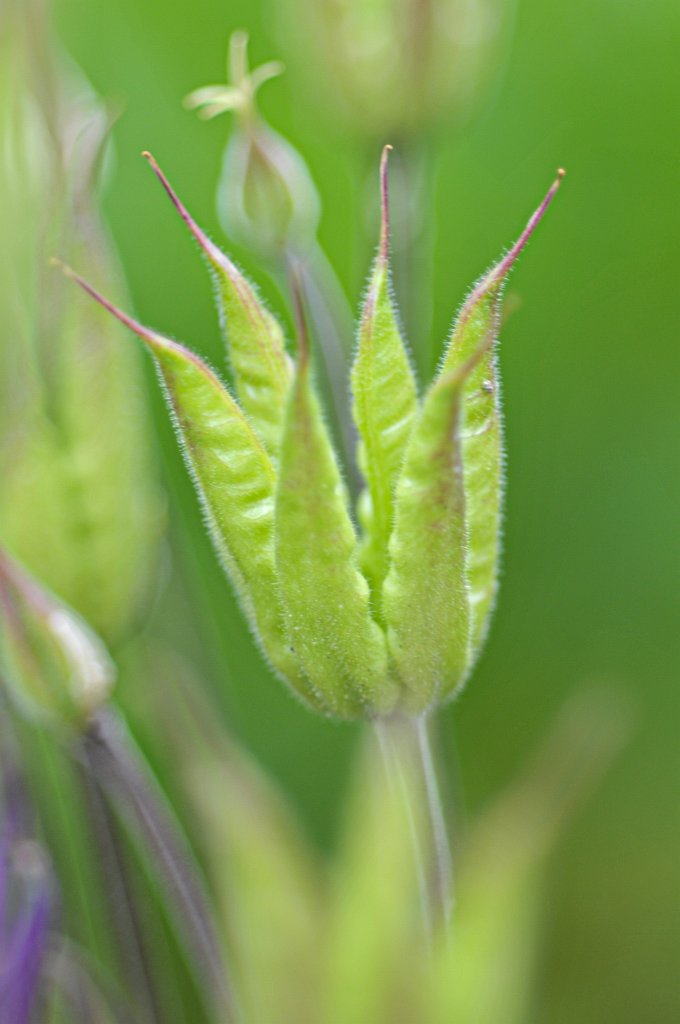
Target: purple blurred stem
{"x": 124, "y": 777}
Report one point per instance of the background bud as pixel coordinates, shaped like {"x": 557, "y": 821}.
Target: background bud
{"x": 57, "y": 667}
{"x": 394, "y": 67}
{"x": 267, "y": 200}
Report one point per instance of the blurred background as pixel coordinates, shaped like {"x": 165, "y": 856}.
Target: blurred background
{"x": 590, "y": 364}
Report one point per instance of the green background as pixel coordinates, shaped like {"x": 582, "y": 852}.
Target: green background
{"x": 591, "y": 370}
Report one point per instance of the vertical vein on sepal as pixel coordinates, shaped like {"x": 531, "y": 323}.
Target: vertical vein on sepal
{"x": 385, "y": 403}
{"x": 324, "y": 594}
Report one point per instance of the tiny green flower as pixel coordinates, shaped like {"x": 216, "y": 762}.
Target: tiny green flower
{"x": 267, "y": 199}
{"x": 358, "y": 623}
{"x": 57, "y": 667}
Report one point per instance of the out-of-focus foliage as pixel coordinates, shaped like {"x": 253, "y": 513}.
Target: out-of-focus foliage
{"x": 25, "y": 911}
{"x": 269, "y": 883}
{"x": 486, "y": 971}
{"x": 78, "y": 503}
{"x": 393, "y": 67}
{"x": 376, "y": 969}
{"x": 349, "y": 943}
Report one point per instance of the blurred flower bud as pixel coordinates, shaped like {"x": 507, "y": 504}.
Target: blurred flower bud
{"x": 393, "y": 67}
{"x": 267, "y": 200}
{"x": 56, "y": 666}
{"x": 484, "y": 970}
{"x": 72, "y": 422}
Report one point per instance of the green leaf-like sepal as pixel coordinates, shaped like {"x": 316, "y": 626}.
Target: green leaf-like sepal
{"x": 323, "y": 592}
{"x": 385, "y": 404}
{"x": 481, "y": 428}
{"x": 261, "y": 367}
{"x": 425, "y": 595}
{"x": 234, "y": 478}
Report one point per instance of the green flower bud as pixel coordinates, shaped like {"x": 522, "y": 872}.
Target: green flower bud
{"x": 359, "y": 625}
{"x": 267, "y": 199}
{"x": 56, "y": 666}
{"x": 394, "y": 67}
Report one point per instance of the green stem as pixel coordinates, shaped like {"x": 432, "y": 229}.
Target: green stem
{"x": 115, "y": 871}
{"x": 127, "y": 781}
{"x": 395, "y": 740}
{"x": 410, "y": 768}
{"x": 443, "y": 861}
{"x": 74, "y": 996}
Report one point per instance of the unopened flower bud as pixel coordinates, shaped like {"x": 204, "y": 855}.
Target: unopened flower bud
{"x": 56, "y": 666}
{"x": 359, "y": 624}
{"x": 266, "y": 199}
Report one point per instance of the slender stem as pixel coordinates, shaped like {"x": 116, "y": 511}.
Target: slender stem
{"x": 393, "y": 758}
{"x": 126, "y": 780}
{"x": 443, "y": 877}
{"x": 115, "y": 869}
{"x": 411, "y": 771}
{"x": 76, "y": 852}
{"x": 68, "y": 975}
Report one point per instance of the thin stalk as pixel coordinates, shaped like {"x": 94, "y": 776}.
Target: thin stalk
{"x": 126, "y": 780}
{"x": 392, "y": 747}
{"x": 75, "y": 851}
{"x": 410, "y": 768}
{"x": 115, "y": 871}
{"x": 443, "y": 866}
